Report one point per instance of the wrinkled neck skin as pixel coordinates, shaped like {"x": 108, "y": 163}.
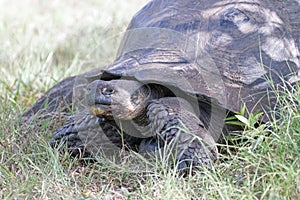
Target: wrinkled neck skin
{"x": 139, "y": 126}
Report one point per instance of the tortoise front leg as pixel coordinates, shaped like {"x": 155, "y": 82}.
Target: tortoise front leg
{"x": 86, "y": 135}
{"x": 177, "y": 127}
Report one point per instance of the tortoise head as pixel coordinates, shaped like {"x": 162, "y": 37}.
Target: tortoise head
{"x": 119, "y": 99}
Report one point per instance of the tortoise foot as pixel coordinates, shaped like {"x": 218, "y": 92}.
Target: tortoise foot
{"x": 67, "y": 138}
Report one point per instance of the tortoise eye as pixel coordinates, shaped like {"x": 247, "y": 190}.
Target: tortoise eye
{"x": 135, "y": 100}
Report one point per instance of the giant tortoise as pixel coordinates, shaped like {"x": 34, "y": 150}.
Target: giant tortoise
{"x": 181, "y": 68}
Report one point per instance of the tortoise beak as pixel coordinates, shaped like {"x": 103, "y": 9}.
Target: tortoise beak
{"x": 99, "y": 100}
{"x": 99, "y": 93}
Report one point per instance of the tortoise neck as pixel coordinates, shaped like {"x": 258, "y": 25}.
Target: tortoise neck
{"x": 142, "y": 119}
{"x": 137, "y": 127}
{"x": 156, "y": 92}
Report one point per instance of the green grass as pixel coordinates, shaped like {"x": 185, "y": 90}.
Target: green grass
{"x": 45, "y": 41}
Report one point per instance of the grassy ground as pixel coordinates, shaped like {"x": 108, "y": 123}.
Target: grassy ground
{"x": 44, "y": 41}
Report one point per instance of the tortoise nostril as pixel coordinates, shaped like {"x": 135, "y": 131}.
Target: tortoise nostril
{"x": 107, "y": 91}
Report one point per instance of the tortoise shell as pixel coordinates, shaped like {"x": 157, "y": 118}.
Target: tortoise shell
{"x": 229, "y": 53}
{"x": 223, "y": 53}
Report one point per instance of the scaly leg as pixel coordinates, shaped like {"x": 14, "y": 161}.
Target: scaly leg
{"x": 180, "y": 129}
{"x": 86, "y": 135}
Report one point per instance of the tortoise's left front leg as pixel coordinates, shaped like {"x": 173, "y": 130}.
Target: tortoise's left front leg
{"x": 177, "y": 127}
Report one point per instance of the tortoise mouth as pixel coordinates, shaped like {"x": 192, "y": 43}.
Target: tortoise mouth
{"x": 100, "y": 105}
{"x": 98, "y": 100}
{"x": 101, "y": 110}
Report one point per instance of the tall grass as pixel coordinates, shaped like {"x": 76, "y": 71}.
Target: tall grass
{"x": 45, "y": 41}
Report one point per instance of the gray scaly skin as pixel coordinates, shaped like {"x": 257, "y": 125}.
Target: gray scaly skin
{"x": 181, "y": 130}
{"x": 82, "y": 129}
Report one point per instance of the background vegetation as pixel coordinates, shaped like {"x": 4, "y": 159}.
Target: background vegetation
{"x": 44, "y": 41}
